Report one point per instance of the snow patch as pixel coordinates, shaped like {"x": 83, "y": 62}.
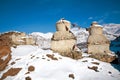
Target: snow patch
{"x": 4, "y": 57}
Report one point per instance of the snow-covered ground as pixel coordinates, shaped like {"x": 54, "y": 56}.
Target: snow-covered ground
{"x": 58, "y": 69}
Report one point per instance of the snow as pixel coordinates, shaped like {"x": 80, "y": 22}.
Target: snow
{"x": 44, "y": 35}
{"x": 63, "y": 20}
{"x": 112, "y": 29}
{"x": 20, "y": 40}
{"x": 41, "y": 39}
{"x": 98, "y": 25}
{"x": 23, "y": 50}
{"x": 80, "y": 33}
{"x": 4, "y": 57}
{"x": 48, "y": 69}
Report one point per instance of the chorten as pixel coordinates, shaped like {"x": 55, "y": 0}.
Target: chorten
{"x": 98, "y": 44}
{"x": 63, "y": 40}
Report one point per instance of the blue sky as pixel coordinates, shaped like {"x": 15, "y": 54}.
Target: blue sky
{"x": 41, "y": 15}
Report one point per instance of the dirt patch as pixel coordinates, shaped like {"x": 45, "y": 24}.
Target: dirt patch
{"x": 27, "y": 73}
{"x": 17, "y": 59}
{"x": 31, "y": 68}
{"x": 11, "y": 72}
{"x": 109, "y": 72}
{"x": 12, "y": 63}
{"x": 37, "y": 57}
{"x": 43, "y": 58}
{"x": 5, "y": 56}
{"x": 32, "y": 56}
{"x": 60, "y": 58}
{"x": 71, "y": 76}
{"x": 85, "y": 61}
{"x": 51, "y": 56}
{"x": 95, "y": 68}
{"x": 95, "y": 63}
{"x": 28, "y": 78}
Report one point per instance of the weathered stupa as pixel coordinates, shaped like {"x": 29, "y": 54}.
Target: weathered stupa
{"x": 63, "y": 40}
{"x": 98, "y": 44}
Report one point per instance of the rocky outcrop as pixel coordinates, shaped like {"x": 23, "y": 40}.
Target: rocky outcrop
{"x": 15, "y": 38}
{"x": 98, "y": 44}
{"x": 5, "y": 56}
{"x": 63, "y": 40}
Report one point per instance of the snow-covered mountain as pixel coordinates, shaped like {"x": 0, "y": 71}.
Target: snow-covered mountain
{"x": 111, "y": 31}
{"x": 41, "y": 39}
{"x": 80, "y": 33}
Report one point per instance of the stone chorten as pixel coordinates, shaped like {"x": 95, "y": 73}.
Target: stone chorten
{"x": 63, "y": 41}
{"x": 98, "y": 44}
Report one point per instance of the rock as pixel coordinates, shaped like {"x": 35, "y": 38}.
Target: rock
{"x": 85, "y": 61}
{"x": 28, "y": 78}
{"x": 77, "y": 55}
{"x": 71, "y": 76}
{"x": 95, "y": 63}
{"x": 104, "y": 57}
{"x": 12, "y": 63}
{"x": 31, "y": 68}
{"x": 94, "y": 68}
{"x": 51, "y": 56}
{"x": 109, "y": 72}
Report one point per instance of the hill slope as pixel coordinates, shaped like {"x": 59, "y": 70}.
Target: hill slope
{"x": 51, "y": 66}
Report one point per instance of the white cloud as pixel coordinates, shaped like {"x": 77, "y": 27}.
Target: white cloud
{"x": 90, "y": 18}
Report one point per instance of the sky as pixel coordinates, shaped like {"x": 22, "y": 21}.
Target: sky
{"x": 41, "y": 15}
